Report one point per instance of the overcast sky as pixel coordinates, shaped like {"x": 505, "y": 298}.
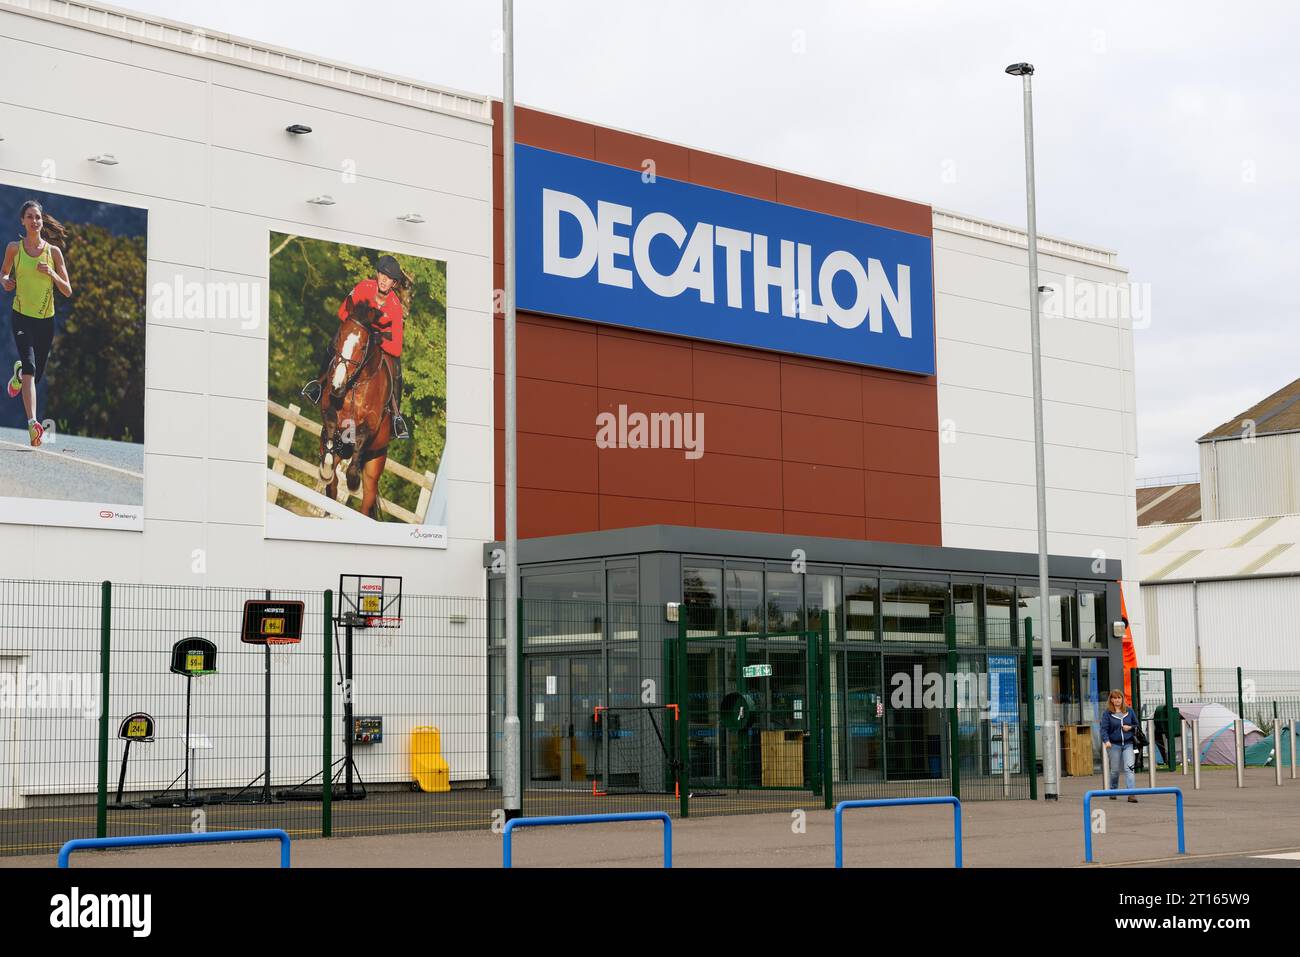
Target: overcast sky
{"x": 1164, "y": 130}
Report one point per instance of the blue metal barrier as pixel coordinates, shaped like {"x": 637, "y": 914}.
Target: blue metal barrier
{"x": 152, "y": 840}
{"x": 1087, "y": 814}
{"x": 898, "y": 802}
{"x": 591, "y": 819}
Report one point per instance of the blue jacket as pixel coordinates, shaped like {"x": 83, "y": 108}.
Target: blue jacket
{"x": 1111, "y": 726}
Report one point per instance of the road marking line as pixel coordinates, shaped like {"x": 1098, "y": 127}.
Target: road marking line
{"x": 1294, "y": 856}
{"x": 68, "y": 457}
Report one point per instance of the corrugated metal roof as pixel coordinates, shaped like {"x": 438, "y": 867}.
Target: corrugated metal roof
{"x": 1237, "y": 548}
{"x": 1169, "y": 504}
{"x": 1280, "y": 412}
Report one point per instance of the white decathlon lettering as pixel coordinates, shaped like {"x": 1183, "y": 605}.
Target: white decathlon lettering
{"x": 735, "y": 242}
{"x": 614, "y": 233}
{"x": 610, "y": 244}
{"x": 656, "y": 224}
{"x": 553, "y": 203}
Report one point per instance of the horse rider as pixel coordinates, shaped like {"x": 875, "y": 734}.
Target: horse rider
{"x": 382, "y": 292}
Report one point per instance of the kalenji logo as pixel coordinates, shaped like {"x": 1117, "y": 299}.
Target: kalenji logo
{"x": 105, "y": 513}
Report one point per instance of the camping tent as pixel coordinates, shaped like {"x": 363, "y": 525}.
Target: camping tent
{"x": 1217, "y": 739}
{"x": 1260, "y": 754}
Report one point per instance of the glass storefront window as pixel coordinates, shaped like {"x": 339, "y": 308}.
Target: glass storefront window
{"x": 744, "y": 601}
{"x": 913, "y": 610}
{"x": 1093, "y": 630}
{"x": 784, "y": 603}
{"x": 702, "y": 600}
{"x": 622, "y": 590}
{"x": 822, "y": 593}
{"x": 564, "y": 605}
{"x": 1061, "y": 607}
{"x": 861, "y": 608}
{"x": 968, "y": 610}
{"x": 999, "y": 599}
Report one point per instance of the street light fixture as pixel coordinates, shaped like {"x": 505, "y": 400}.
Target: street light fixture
{"x": 1051, "y": 786}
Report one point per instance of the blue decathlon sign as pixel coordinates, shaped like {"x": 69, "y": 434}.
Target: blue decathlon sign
{"x": 599, "y": 242}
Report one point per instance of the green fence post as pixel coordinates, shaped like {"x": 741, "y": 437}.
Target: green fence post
{"x": 521, "y": 695}
{"x": 1171, "y": 731}
{"x": 1241, "y": 705}
{"x": 812, "y": 642}
{"x": 828, "y": 743}
{"x": 105, "y": 650}
{"x": 1030, "y": 736}
{"x": 684, "y": 715}
{"x": 327, "y": 723}
{"x": 954, "y": 726}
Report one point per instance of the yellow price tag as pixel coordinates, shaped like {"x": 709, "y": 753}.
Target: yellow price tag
{"x": 137, "y": 729}
{"x": 193, "y": 661}
{"x": 273, "y": 626}
{"x": 370, "y": 603}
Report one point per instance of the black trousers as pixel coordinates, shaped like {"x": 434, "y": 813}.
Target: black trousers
{"x": 33, "y": 338}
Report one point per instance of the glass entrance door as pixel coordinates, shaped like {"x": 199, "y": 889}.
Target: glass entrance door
{"x": 857, "y": 689}
{"x": 916, "y": 725}
{"x": 563, "y": 692}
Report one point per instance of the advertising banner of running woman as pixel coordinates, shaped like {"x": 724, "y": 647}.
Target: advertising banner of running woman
{"x": 72, "y": 360}
{"x": 357, "y": 395}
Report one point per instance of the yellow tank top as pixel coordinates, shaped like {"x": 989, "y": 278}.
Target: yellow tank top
{"x": 34, "y": 296}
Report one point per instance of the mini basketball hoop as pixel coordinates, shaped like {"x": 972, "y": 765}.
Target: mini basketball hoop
{"x": 371, "y": 601}
{"x": 365, "y": 601}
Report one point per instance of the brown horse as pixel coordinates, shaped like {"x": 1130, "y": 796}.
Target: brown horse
{"x": 356, "y": 426}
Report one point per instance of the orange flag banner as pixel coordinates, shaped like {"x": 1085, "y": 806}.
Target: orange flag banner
{"x": 1130, "y": 652}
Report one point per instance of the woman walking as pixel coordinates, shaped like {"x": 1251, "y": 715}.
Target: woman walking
{"x": 33, "y": 268}
{"x": 1118, "y": 727}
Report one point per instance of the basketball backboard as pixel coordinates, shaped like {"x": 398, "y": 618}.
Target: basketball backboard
{"x": 373, "y": 600}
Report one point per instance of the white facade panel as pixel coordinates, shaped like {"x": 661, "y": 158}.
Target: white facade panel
{"x": 113, "y": 84}
{"x": 201, "y": 145}
{"x": 985, "y": 389}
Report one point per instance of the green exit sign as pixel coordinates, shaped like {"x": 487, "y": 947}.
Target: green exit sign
{"x": 758, "y": 671}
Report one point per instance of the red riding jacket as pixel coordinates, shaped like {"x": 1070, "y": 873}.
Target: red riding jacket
{"x": 367, "y": 290}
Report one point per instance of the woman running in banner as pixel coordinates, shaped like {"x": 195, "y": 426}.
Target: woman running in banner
{"x": 33, "y": 269}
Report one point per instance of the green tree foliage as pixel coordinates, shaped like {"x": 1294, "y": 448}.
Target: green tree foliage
{"x": 96, "y": 369}
{"x": 309, "y": 278}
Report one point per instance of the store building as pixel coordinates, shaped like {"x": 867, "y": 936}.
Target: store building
{"x": 837, "y": 383}
{"x": 889, "y": 481}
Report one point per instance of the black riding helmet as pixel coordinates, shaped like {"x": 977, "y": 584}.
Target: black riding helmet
{"x": 389, "y": 267}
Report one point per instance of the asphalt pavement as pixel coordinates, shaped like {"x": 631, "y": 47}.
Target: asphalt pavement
{"x": 72, "y": 469}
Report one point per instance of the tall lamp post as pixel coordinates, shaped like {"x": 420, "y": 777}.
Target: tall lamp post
{"x": 511, "y": 789}
{"x": 1051, "y": 786}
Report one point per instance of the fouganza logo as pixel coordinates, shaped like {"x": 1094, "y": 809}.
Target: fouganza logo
{"x": 74, "y": 910}
{"x": 613, "y": 232}
{"x": 420, "y": 535}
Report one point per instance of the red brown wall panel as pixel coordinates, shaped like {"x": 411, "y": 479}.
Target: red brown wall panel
{"x": 792, "y": 444}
